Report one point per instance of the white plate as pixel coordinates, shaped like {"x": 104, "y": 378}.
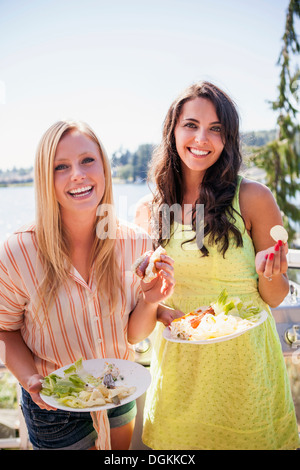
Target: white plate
{"x": 167, "y": 334}
{"x": 135, "y": 375}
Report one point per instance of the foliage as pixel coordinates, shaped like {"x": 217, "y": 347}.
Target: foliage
{"x": 280, "y": 158}
{"x": 132, "y": 166}
{"x": 258, "y": 138}
{"x": 8, "y": 391}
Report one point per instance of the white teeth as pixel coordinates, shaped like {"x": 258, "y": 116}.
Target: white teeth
{"x": 199, "y": 152}
{"x": 81, "y": 190}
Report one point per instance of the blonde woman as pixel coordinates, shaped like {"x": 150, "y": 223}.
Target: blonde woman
{"x": 67, "y": 290}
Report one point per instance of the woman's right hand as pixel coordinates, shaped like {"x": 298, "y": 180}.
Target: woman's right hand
{"x": 34, "y": 387}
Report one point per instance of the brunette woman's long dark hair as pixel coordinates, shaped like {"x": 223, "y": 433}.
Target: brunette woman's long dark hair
{"x": 219, "y": 184}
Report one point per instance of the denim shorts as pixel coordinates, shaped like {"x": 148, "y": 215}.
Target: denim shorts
{"x": 67, "y": 430}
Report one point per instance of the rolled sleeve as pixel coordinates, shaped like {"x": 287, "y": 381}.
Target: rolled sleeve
{"x": 12, "y": 302}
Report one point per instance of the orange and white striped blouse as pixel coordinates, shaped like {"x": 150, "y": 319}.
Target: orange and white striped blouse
{"x": 80, "y": 322}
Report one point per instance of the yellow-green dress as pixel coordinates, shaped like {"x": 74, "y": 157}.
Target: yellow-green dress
{"x": 228, "y": 395}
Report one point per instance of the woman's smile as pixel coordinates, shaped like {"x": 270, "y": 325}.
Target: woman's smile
{"x": 81, "y": 193}
{"x": 199, "y": 153}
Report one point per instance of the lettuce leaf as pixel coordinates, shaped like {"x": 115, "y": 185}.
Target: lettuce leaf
{"x": 234, "y": 306}
{"x": 74, "y": 380}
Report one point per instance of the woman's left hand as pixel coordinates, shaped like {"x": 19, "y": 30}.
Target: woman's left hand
{"x": 162, "y": 286}
{"x": 167, "y": 314}
{"x": 272, "y": 262}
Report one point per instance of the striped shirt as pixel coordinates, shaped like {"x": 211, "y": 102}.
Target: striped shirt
{"x": 80, "y": 322}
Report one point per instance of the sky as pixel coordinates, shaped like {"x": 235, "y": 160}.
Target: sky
{"x": 118, "y": 65}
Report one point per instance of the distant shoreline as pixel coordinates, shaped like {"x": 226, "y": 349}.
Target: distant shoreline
{"x": 19, "y": 184}
{"x": 11, "y": 185}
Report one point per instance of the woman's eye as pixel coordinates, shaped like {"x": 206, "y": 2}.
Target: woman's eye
{"x": 60, "y": 167}
{"x": 190, "y": 125}
{"x": 216, "y": 129}
{"x": 88, "y": 160}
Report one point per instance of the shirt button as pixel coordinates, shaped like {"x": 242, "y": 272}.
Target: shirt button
{"x": 99, "y": 340}
{"x": 95, "y": 319}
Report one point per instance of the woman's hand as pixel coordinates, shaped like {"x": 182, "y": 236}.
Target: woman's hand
{"x": 162, "y": 286}
{"x": 166, "y": 314}
{"x": 272, "y": 262}
{"x": 143, "y": 318}
{"x": 34, "y": 387}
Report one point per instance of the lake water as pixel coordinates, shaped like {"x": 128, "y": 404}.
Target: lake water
{"x": 17, "y": 206}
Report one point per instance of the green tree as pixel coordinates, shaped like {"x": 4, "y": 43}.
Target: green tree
{"x": 258, "y": 138}
{"x": 140, "y": 161}
{"x": 132, "y": 166}
{"x": 125, "y": 172}
{"x": 121, "y": 157}
{"x": 280, "y": 158}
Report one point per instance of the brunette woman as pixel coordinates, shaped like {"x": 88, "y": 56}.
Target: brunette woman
{"x": 233, "y": 394}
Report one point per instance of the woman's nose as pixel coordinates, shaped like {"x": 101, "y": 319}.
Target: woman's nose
{"x": 77, "y": 173}
{"x": 201, "y": 136}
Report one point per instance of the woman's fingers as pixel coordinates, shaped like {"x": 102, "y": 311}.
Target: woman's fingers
{"x": 167, "y": 259}
{"x": 168, "y": 282}
{"x": 165, "y": 267}
{"x": 165, "y": 262}
{"x": 269, "y": 265}
{"x": 275, "y": 262}
{"x": 40, "y": 402}
{"x": 166, "y": 270}
{"x": 34, "y": 388}
{"x": 283, "y": 258}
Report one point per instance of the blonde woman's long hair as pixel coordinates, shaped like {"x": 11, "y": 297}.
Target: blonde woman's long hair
{"x": 51, "y": 240}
